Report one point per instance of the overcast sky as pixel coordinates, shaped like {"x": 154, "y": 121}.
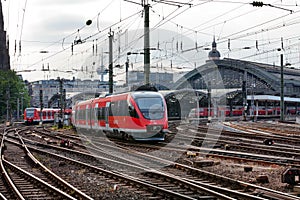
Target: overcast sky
{"x": 241, "y": 31}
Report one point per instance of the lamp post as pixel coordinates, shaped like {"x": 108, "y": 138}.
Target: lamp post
{"x": 110, "y": 67}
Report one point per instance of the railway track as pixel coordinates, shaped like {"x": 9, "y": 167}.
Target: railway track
{"x": 191, "y": 170}
{"x": 237, "y": 145}
{"x": 179, "y": 176}
{"x": 29, "y": 179}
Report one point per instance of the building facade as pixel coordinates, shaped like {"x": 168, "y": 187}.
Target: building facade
{"x": 4, "y": 51}
{"x": 51, "y": 88}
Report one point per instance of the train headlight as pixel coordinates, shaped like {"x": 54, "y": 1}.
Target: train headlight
{"x": 154, "y": 128}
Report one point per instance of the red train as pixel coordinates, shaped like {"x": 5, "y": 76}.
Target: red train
{"x": 238, "y": 111}
{"x": 220, "y": 111}
{"x": 32, "y": 115}
{"x": 139, "y": 115}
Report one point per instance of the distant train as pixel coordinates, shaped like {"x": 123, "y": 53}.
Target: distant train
{"x": 32, "y": 115}
{"x": 139, "y": 115}
{"x": 238, "y": 111}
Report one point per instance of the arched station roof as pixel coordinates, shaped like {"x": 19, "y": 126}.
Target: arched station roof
{"x": 230, "y": 73}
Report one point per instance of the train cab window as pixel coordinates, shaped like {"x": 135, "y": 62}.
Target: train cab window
{"x": 151, "y": 107}
{"x": 29, "y": 112}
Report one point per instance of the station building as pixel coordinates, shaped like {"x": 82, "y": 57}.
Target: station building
{"x": 84, "y": 89}
{"x": 234, "y": 83}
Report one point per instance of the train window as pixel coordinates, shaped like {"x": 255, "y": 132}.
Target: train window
{"x": 119, "y": 108}
{"x": 112, "y": 109}
{"x": 94, "y": 113}
{"x": 123, "y": 108}
{"x": 78, "y": 115}
{"x": 101, "y": 113}
{"x": 82, "y": 113}
{"x": 88, "y": 114}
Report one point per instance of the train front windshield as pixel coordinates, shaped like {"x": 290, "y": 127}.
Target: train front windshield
{"x": 151, "y": 107}
{"x": 29, "y": 112}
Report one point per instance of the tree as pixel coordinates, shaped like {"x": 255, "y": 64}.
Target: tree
{"x": 12, "y": 89}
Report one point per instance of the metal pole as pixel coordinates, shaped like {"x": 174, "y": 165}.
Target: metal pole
{"x": 146, "y": 45}
{"x": 61, "y": 97}
{"x": 41, "y": 107}
{"x": 244, "y": 91}
{"x": 127, "y": 66}
{"x": 22, "y": 111}
{"x": 209, "y": 100}
{"x": 110, "y": 67}
{"x": 281, "y": 89}
{"x": 102, "y": 67}
{"x": 18, "y": 109}
{"x": 7, "y": 105}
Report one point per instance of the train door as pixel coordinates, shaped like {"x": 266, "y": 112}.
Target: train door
{"x": 107, "y": 106}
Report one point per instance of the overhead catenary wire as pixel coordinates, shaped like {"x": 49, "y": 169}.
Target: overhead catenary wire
{"x": 101, "y": 38}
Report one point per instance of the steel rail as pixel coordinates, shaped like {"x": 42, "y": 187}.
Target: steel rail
{"x": 40, "y": 181}
{"x": 70, "y": 187}
{"x": 5, "y": 174}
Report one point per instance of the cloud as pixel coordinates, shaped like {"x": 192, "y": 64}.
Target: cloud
{"x": 60, "y": 3}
